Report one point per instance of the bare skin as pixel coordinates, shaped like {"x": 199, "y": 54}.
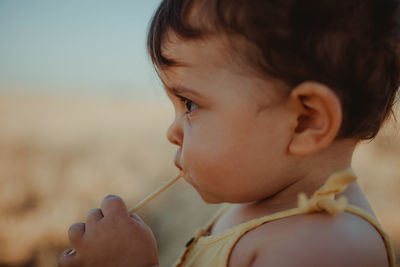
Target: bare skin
{"x": 312, "y": 116}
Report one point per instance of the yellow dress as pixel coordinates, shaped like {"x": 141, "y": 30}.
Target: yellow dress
{"x": 214, "y": 250}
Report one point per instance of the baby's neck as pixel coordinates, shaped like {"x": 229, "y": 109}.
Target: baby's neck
{"x": 316, "y": 170}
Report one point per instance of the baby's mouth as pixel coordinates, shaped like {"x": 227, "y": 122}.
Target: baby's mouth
{"x": 177, "y": 159}
{"x": 178, "y": 166}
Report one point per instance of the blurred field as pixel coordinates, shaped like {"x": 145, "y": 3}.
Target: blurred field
{"x": 60, "y": 155}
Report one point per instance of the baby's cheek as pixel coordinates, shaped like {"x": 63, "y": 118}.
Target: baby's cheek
{"x": 213, "y": 165}
{"x": 199, "y": 160}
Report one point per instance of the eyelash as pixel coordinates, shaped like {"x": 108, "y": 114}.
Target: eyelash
{"x": 186, "y": 102}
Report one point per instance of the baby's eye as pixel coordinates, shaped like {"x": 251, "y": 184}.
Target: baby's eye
{"x": 189, "y": 104}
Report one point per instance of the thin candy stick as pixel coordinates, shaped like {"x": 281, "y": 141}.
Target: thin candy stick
{"x": 155, "y": 193}
{"x": 147, "y": 199}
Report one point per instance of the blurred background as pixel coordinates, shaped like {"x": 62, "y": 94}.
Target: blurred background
{"x": 82, "y": 115}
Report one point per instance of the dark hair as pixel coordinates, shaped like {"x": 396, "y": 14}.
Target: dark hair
{"x": 351, "y": 46}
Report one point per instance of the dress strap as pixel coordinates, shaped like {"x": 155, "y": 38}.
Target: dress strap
{"x": 386, "y": 239}
{"x": 224, "y": 208}
{"x": 324, "y": 200}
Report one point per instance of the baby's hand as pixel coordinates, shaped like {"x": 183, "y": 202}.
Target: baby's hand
{"x": 111, "y": 237}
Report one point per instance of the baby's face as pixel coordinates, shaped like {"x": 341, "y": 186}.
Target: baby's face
{"x": 231, "y": 127}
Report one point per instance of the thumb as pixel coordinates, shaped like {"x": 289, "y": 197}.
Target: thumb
{"x": 135, "y": 217}
{"x": 68, "y": 259}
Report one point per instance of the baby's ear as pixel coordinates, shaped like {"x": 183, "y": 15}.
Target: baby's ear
{"x": 317, "y": 117}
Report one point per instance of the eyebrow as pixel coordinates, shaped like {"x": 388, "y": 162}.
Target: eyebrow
{"x": 178, "y": 90}
{"x": 170, "y": 62}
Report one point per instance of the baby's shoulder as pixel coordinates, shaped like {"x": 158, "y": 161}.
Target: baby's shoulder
{"x": 317, "y": 239}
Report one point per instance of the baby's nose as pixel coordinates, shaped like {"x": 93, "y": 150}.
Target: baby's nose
{"x": 175, "y": 134}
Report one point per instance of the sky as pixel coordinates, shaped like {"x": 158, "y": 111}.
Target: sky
{"x": 76, "y": 46}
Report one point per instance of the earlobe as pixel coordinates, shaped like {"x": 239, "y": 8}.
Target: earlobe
{"x": 317, "y": 117}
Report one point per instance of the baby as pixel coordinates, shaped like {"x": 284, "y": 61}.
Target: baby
{"x": 271, "y": 98}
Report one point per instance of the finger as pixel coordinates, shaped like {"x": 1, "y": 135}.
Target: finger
{"x": 67, "y": 259}
{"x": 94, "y": 216}
{"x": 113, "y": 205}
{"x": 75, "y": 233}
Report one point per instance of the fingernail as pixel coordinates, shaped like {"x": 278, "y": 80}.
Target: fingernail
{"x": 70, "y": 251}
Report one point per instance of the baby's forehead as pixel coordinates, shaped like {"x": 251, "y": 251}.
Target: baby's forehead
{"x": 209, "y": 51}
{"x": 202, "y": 63}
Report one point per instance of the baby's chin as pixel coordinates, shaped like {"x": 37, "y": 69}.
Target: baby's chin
{"x": 214, "y": 197}
{"x": 208, "y": 197}
{"x": 211, "y": 200}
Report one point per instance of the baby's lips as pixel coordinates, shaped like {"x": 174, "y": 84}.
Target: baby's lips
{"x": 178, "y": 166}
{"x": 177, "y": 159}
